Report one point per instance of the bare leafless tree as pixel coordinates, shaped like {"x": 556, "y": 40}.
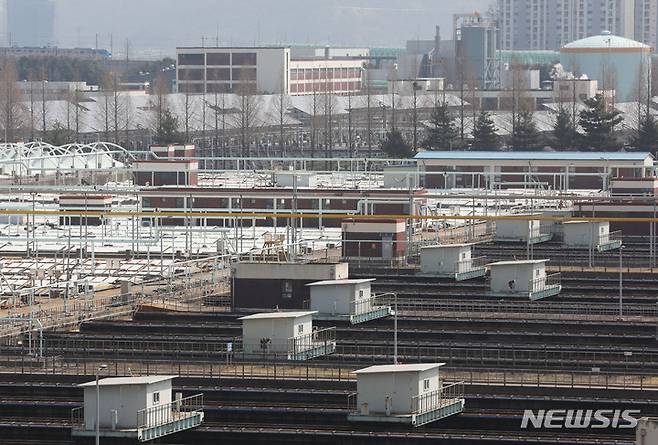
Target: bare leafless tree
{"x": 368, "y": 91}
{"x": 44, "y": 102}
{"x": 159, "y": 103}
{"x": 281, "y": 107}
{"x": 189, "y": 113}
{"x": 315, "y": 106}
{"x": 246, "y": 105}
{"x": 11, "y": 110}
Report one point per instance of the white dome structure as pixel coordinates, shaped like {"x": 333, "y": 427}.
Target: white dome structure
{"x": 616, "y": 62}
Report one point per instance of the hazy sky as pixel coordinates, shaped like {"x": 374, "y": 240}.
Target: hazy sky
{"x": 162, "y": 25}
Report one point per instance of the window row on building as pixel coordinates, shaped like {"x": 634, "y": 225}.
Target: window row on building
{"x": 218, "y": 59}
{"x": 325, "y": 73}
{"x": 321, "y": 87}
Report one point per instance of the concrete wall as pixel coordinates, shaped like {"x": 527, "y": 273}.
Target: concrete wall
{"x": 127, "y": 400}
{"x": 306, "y": 180}
{"x": 399, "y": 178}
{"x": 444, "y": 259}
{"x": 400, "y": 386}
{"x": 514, "y": 229}
{"x": 291, "y": 271}
{"x": 337, "y": 298}
{"x": 584, "y": 234}
{"x": 279, "y": 330}
{"x": 522, "y": 274}
{"x": 647, "y": 431}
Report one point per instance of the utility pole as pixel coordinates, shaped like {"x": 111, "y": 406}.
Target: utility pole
{"x": 415, "y": 88}
{"x": 395, "y": 75}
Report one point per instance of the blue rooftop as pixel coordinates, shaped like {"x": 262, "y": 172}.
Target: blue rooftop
{"x": 532, "y": 155}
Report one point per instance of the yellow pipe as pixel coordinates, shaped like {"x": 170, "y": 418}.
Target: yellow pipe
{"x": 249, "y": 215}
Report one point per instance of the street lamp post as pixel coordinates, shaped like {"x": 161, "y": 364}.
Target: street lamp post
{"x": 98, "y": 404}
{"x": 415, "y": 88}
{"x": 621, "y": 282}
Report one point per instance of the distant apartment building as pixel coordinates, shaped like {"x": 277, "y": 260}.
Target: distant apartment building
{"x": 268, "y": 70}
{"x": 646, "y": 22}
{"x": 550, "y": 24}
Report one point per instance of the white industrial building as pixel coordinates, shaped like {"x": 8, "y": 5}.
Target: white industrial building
{"x": 521, "y": 231}
{"x": 136, "y": 407}
{"x": 411, "y": 393}
{"x": 266, "y": 70}
{"x": 525, "y": 278}
{"x": 347, "y": 298}
{"x": 232, "y": 69}
{"x": 591, "y": 235}
{"x": 288, "y": 334}
{"x": 451, "y": 260}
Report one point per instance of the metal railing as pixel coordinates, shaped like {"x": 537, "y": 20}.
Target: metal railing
{"x": 365, "y": 305}
{"x": 485, "y": 308}
{"x": 544, "y": 283}
{"x": 439, "y": 398}
{"x": 169, "y": 412}
{"x": 315, "y": 339}
{"x": 610, "y": 237}
{"x": 78, "y": 417}
{"x": 470, "y": 264}
{"x": 284, "y": 370}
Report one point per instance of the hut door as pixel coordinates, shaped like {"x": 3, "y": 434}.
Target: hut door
{"x": 387, "y": 246}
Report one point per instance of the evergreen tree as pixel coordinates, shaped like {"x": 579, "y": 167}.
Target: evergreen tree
{"x": 395, "y": 146}
{"x": 598, "y": 123}
{"x": 443, "y": 132}
{"x": 564, "y": 133}
{"x": 526, "y": 136}
{"x": 59, "y": 135}
{"x": 167, "y": 130}
{"x": 646, "y": 138}
{"x": 484, "y": 132}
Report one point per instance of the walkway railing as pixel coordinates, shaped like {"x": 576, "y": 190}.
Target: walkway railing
{"x": 315, "y": 339}
{"x": 469, "y": 265}
{"x": 439, "y": 398}
{"x": 169, "y": 412}
{"x": 480, "y": 308}
{"x": 363, "y": 306}
{"x": 545, "y": 283}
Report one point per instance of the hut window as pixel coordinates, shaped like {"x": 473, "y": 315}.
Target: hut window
{"x": 360, "y": 293}
{"x": 426, "y": 385}
{"x": 300, "y": 329}
{"x": 156, "y": 398}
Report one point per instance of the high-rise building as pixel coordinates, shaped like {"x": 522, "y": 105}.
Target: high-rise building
{"x": 31, "y": 22}
{"x": 646, "y": 22}
{"x": 550, "y": 24}
{"x": 4, "y": 31}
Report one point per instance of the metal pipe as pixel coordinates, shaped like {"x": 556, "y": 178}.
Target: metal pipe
{"x": 98, "y": 404}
